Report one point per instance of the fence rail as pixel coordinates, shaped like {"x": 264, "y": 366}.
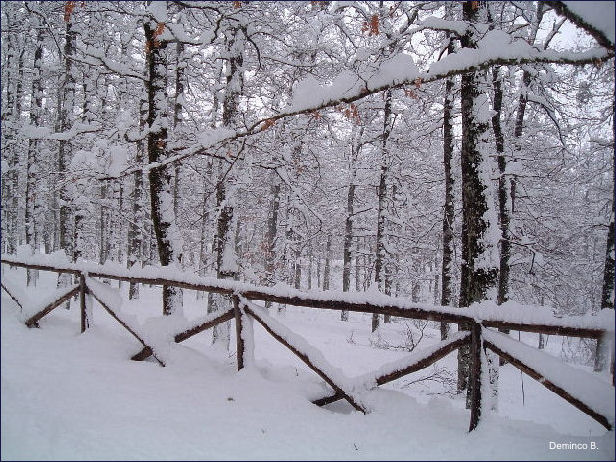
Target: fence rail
{"x": 244, "y": 311}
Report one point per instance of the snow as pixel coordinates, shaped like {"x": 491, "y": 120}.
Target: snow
{"x": 350, "y": 387}
{"x": 432, "y": 22}
{"x": 586, "y": 387}
{"x": 397, "y": 69}
{"x": 598, "y": 14}
{"x": 11, "y": 284}
{"x": 112, "y": 299}
{"x": 32, "y": 307}
{"x": 369, "y": 380}
{"x": 158, "y": 10}
{"x": 67, "y": 396}
{"x": 310, "y": 92}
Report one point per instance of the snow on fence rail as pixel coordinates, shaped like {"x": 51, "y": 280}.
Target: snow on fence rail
{"x": 514, "y": 317}
{"x": 548, "y": 371}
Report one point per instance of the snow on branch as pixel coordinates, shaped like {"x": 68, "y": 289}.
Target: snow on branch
{"x": 584, "y": 390}
{"x": 111, "y": 301}
{"x": 596, "y": 18}
{"x": 496, "y": 49}
{"x": 14, "y": 292}
{"x": 414, "y": 362}
{"x": 311, "y": 356}
{"x": 511, "y": 315}
{"x": 45, "y": 305}
{"x": 32, "y": 132}
{"x": 34, "y": 311}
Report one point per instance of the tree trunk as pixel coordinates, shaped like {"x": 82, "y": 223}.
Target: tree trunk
{"x": 226, "y": 265}
{"x": 328, "y": 256}
{"x": 479, "y": 270}
{"x": 607, "y": 292}
{"x": 270, "y": 236}
{"x": 65, "y": 118}
{"x": 161, "y": 200}
{"x": 310, "y": 258}
{"x": 348, "y": 242}
{"x": 381, "y": 254}
{"x": 348, "y": 226}
{"x": 503, "y": 197}
{"x": 36, "y": 109}
{"x": 448, "y": 210}
{"x": 135, "y": 226}
{"x": 503, "y": 192}
{"x": 12, "y": 76}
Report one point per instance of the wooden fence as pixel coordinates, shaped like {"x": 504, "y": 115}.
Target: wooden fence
{"x": 480, "y": 334}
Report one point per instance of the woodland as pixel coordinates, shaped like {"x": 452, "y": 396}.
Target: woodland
{"x": 448, "y": 153}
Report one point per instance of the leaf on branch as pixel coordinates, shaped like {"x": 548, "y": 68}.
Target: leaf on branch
{"x": 372, "y": 26}
{"x": 68, "y": 10}
{"x": 267, "y": 123}
{"x": 417, "y": 82}
{"x": 237, "y": 5}
{"x": 410, "y": 93}
{"x": 160, "y": 28}
{"x": 474, "y": 5}
{"x": 350, "y": 113}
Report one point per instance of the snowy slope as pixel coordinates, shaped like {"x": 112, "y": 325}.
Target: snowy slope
{"x": 79, "y": 397}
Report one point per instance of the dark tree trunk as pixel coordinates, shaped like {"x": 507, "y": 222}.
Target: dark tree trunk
{"x": 270, "y": 237}
{"x": 328, "y": 256}
{"x": 12, "y": 77}
{"x": 503, "y": 192}
{"x": 348, "y": 242}
{"x": 479, "y": 272}
{"x": 65, "y": 111}
{"x": 224, "y": 245}
{"x": 607, "y": 292}
{"x": 348, "y": 225}
{"x": 503, "y": 197}
{"x": 135, "y": 227}
{"x": 163, "y": 220}
{"x": 448, "y": 210}
{"x": 381, "y": 254}
{"x": 36, "y": 108}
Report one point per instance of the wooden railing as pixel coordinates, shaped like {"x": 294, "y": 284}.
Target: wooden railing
{"x": 549, "y": 371}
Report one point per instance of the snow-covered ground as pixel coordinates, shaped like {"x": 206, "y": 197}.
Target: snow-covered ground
{"x": 79, "y": 397}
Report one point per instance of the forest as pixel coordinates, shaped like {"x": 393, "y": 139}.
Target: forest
{"x": 448, "y": 153}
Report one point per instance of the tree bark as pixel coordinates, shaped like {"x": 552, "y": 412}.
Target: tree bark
{"x": 36, "y": 108}
{"x": 607, "y": 291}
{"x": 381, "y": 253}
{"x": 328, "y": 256}
{"x": 448, "y": 209}
{"x": 65, "y": 119}
{"x": 479, "y": 270}
{"x": 135, "y": 227}
{"x": 161, "y": 203}
{"x": 348, "y": 225}
{"x": 224, "y": 245}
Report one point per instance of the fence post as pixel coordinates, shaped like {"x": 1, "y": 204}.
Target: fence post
{"x": 238, "y": 332}
{"x": 475, "y": 375}
{"x": 82, "y": 302}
